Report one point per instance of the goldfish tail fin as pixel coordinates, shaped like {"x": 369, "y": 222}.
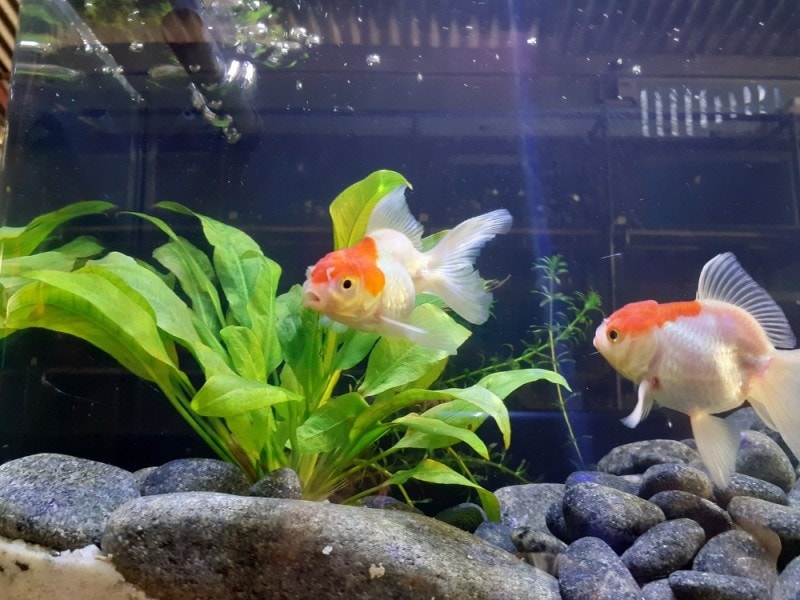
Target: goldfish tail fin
{"x": 717, "y": 442}
{"x": 777, "y": 393}
{"x": 451, "y": 274}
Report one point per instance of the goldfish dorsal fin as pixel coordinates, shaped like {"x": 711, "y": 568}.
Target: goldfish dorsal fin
{"x": 391, "y": 212}
{"x": 724, "y": 279}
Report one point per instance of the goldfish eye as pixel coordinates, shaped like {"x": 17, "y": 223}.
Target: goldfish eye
{"x": 347, "y": 284}
{"x": 613, "y": 335}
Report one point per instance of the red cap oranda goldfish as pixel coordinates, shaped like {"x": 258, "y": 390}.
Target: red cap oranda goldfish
{"x": 373, "y": 285}
{"x": 709, "y": 355}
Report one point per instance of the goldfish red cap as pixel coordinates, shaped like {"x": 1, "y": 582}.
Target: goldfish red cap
{"x": 637, "y": 317}
{"x": 359, "y": 261}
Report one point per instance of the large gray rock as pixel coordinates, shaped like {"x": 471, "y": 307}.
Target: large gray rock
{"x": 617, "y": 518}
{"x": 214, "y": 546}
{"x": 677, "y": 504}
{"x": 714, "y": 586}
{"x": 526, "y": 505}
{"x": 60, "y": 501}
{"x": 675, "y": 476}
{"x": 637, "y": 457}
{"x": 665, "y": 548}
{"x": 590, "y": 570}
{"x": 788, "y": 585}
{"x": 760, "y": 456}
{"x": 196, "y": 475}
{"x": 753, "y": 514}
{"x": 745, "y": 485}
{"x": 736, "y": 552}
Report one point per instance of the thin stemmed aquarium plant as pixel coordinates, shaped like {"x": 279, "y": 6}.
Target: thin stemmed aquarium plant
{"x": 567, "y": 317}
{"x": 271, "y": 393}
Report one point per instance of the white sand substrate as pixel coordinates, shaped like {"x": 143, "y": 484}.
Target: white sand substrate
{"x": 31, "y": 572}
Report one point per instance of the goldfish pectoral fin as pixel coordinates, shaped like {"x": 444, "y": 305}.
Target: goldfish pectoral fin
{"x": 776, "y": 393}
{"x": 328, "y": 323}
{"x": 717, "y": 442}
{"x": 642, "y": 408}
{"x": 425, "y": 330}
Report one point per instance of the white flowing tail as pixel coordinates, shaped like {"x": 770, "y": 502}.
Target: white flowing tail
{"x": 775, "y": 396}
{"x": 451, "y": 273}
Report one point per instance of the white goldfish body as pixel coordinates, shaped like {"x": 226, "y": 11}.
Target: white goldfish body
{"x": 709, "y": 355}
{"x": 373, "y": 285}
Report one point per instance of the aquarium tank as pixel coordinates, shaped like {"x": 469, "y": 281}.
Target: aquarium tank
{"x": 172, "y": 171}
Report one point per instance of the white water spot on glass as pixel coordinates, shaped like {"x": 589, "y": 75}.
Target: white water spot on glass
{"x": 232, "y": 135}
{"x": 298, "y": 85}
{"x": 327, "y": 549}
{"x": 636, "y": 69}
{"x": 373, "y": 59}
{"x": 136, "y": 47}
{"x": 194, "y": 68}
{"x": 419, "y": 77}
{"x": 532, "y": 41}
{"x": 377, "y": 571}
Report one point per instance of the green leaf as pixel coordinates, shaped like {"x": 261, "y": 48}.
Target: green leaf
{"x": 22, "y": 241}
{"x": 354, "y": 348}
{"x": 301, "y": 338}
{"x": 351, "y": 209}
{"x": 232, "y": 249}
{"x": 115, "y": 318}
{"x": 447, "y": 435}
{"x": 230, "y": 395}
{"x": 435, "y": 472}
{"x": 171, "y": 313}
{"x": 245, "y": 352}
{"x": 261, "y": 307}
{"x": 251, "y": 431}
{"x": 456, "y": 413}
{"x": 385, "y": 407}
{"x": 12, "y": 275}
{"x": 489, "y": 403}
{"x": 194, "y": 272}
{"x": 328, "y": 428}
{"x": 396, "y": 362}
{"x": 505, "y": 382}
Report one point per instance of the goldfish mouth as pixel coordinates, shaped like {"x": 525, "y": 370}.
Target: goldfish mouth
{"x": 311, "y": 299}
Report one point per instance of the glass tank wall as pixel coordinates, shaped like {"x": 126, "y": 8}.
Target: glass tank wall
{"x": 635, "y": 140}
